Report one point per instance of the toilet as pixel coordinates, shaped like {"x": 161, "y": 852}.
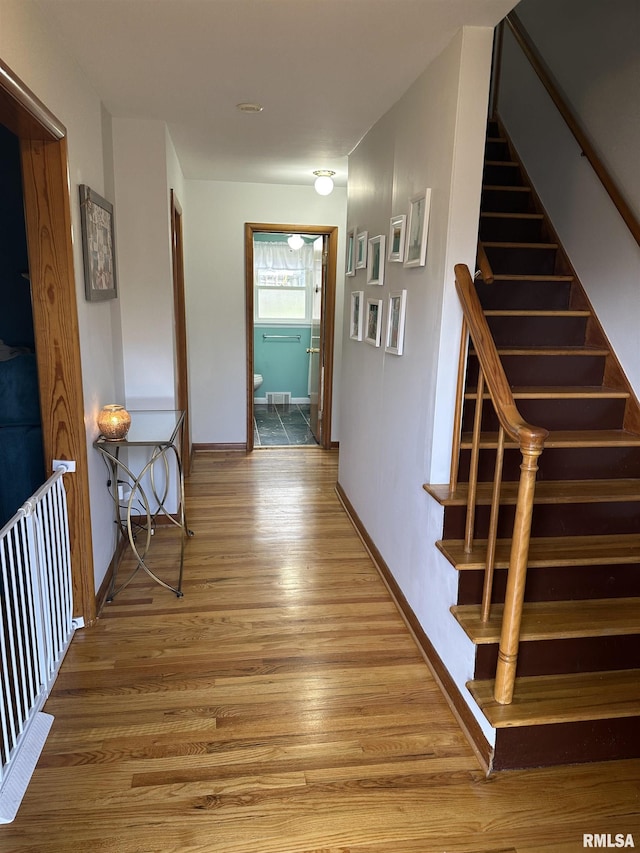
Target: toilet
{"x": 257, "y": 381}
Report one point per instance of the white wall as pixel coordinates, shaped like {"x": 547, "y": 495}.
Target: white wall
{"x": 30, "y": 48}
{"x": 605, "y": 256}
{"x": 397, "y": 411}
{"x": 215, "y": 290}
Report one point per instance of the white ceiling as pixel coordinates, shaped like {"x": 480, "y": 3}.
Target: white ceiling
{"x": 324, "y": 71}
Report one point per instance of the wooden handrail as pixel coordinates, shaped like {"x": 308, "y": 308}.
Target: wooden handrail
{"x": 531, "y": 52}
{"x": 483, "y": 263}
{"x": 531, "y": 442}
{"x": 500, "y": 391}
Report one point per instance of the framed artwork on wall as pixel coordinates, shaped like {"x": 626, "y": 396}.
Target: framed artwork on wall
{"x": 396, "y": 310}
{"x": 357, "y": 315}
{"x": 397, "y": 228}
{"x": 98, "y": 245}
{"x": 374, "y": 322}
{"x": 415, "y": 253}
{"x": 350, "y": 260}
{"x": 375, "y": 263}
{"x": 361, "y": 250}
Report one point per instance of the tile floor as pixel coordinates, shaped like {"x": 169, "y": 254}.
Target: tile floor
{"x": 275, "y": 426}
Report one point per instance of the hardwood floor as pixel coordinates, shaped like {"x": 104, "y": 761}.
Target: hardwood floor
{"x": 281, "y": 706}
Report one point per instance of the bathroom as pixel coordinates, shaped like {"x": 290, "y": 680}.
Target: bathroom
{"x": 287, "y": 308}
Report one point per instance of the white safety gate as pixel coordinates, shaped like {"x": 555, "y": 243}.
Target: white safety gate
{"x": 36, "y": 627}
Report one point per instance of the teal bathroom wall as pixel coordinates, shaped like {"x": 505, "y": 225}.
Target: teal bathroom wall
{"x": 282, "y": 359}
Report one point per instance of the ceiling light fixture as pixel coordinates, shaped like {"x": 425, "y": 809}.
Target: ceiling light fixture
{"x": 323, "y": 184}
{"x": 248, "y": 107}
{"x": 295, "y": 242}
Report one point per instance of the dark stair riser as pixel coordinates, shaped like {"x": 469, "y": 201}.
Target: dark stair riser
{"x": 557, "y": 583}
{"x": 566, "y": 743}
{"x": 497, "y": 200}
{"x": 600, "y": 519}
{"x": 571, "y": 655}
{"x": 565, "y": 414}
{"x": 524, "y": 295}
{"x": 543, "y": 370}
{"x": 577, "y": 463}
{"x": 521, "y": 260}
{"x": 523, "y": 331}
{"x": 497, "y": 149}
{"x": 501, "y": 174}
{"x": 511, "y": 229}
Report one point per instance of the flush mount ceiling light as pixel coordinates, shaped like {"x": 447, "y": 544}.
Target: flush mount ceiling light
{"x": 295, "y": 242}
{"x": 323, "y": 184}
{"x": 248, "y": 107}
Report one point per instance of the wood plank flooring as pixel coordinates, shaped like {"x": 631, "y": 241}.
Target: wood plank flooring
{"x": 281, "y": 706}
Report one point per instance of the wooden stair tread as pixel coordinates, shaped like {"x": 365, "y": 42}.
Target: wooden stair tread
{"x": 511, "y": 244}
{"x": 558, "y": 392}
{"x": 552, "y": 620}
{"x": 547, "y": 492}
{"x": 546, "y": 699}
{"x": 492, "y": 214}
{"x": 564, "y": 439}
{"x": 534, "y": 277}
{"x": 551, "y": 351}
{"x": 559, "y": 312}
{"x": 549, "y": 551}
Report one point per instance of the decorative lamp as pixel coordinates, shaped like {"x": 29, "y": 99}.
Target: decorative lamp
{"x": 114, "y": 422}
{"x": 295, "y": 242}
{"x": 323, "y": 184}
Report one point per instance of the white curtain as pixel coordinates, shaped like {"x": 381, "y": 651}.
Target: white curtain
{"x": 278, "y": 256}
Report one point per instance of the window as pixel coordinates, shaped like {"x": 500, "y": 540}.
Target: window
{"x": 281, "y": 295}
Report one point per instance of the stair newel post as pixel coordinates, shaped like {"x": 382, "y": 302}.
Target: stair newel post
{"x": 493, "y": 530}
{"x": 517, "y": 573}
{"x": 457, "y": 420}
{"x": 473, "y": 466}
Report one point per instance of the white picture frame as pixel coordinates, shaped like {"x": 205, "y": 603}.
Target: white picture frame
{"x": 375, "y": 262}
{"x": 396, "y": 312}
{"x": 356, "y": 322}
{"x": 397, "y": 237}
{"x": 373, "y": 320}
{"x": 415, "y": 254}
{"x": 350, "y": 258}
{"x": 362, "y": 247}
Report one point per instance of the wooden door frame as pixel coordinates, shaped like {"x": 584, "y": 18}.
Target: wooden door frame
{"x": 328, "y": 315}
{"x": 46, "y": 183}
{"x": 180, "y": 326}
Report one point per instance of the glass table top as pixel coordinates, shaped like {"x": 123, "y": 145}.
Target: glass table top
{"x": 158, "y": 426}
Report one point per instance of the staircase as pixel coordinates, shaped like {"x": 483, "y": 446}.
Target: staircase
{"x": 577, "y": 689}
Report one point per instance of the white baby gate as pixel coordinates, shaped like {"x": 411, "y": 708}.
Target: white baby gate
{"x": 36, "y": 627}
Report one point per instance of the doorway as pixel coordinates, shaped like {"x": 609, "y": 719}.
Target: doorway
{"x": 43, "y": 150}
{"x": 306, "y": 323}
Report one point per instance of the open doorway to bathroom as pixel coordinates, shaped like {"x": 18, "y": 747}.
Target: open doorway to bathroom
{"x": 290, "y": 304}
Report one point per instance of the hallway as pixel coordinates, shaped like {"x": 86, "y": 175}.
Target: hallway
{"x": 281, "y": 706}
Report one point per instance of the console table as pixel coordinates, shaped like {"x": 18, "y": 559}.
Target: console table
{"x": 160, "y": 431}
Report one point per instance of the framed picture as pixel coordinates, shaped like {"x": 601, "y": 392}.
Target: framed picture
{"x": 361, "y": 250}
{"x": 396, "y": 310}
{"x": 374, "y": 322}
{"x": 350, "y": 260}
{"x": 357, "y": 314}
{"x": 98, "y": 245}
{"x": 375, "y": 264}
{"x": 415, "y": 253}
{"x": 397, "y": 228}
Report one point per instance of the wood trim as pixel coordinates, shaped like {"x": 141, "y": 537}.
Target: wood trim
{"x": 48, "y": 223}
{"x": 460, "y": 709}
{"x": 230, "y": 446}
{"x": 101, "y": 595}
{"x": 328, "y": 319}
{"x": 23, "y": 113}
{"x": 180, "y": 325}
{"x": 531, "y": 52}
